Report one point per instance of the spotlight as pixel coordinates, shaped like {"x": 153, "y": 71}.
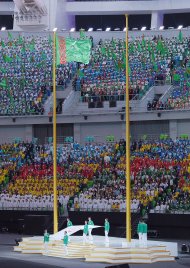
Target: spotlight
{"x": 3, "y": 28}
{"x": 124, "y": 29}
{"x": 72, "y": 30}
{"x": 180, "y": 27}
{"x": 170, "y": 28}
{"x": 54, "y": 29}
{"x": 99, "y": 29}
{"x": 143, "y": 28}
{"x": 134, "y": 29}
{"x": 161, "y": 28}
{"x": 108, "y": 29}
{"x": 117, "y": 29}
{"x": 90, "y": 29}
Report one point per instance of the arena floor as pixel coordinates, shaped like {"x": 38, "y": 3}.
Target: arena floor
{"x": 10, "y": 259}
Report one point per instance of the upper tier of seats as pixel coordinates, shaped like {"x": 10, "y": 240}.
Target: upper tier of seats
{"x": 151, "y": 62}
{"x": 26, "y": 74}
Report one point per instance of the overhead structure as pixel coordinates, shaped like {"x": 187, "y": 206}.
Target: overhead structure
{"x": 30, "y": 14}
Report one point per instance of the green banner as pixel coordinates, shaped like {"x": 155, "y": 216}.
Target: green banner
{"x": 78, "y": 50}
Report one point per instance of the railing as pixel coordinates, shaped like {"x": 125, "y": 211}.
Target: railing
{"x": 104, "y": 210}
{"x": 101, "y": 98}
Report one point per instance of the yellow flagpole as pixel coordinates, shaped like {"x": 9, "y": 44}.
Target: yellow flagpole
{"x": 55, "y": 207}
{"x": 127, "y": 172}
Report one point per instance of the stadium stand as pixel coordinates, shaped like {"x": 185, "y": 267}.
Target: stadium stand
{"x": 152, "y": 61}
{"x": 92, "y": 177}
{"x": 26, "y": 74}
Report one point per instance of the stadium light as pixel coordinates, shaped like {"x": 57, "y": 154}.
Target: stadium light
{"x": 72, "y": 30}
{"x": 108, "y": 29}
{"x": 180, "y": 27}
{"x": 54, "y": 29}
{"x": 99, "y": 29}
{"x": 124, "y": 29}
{"x": 90, "y": 29}
{"x": 3, "y": 28}
{"x": 143, "y": 28}
{"x": 161, "y": 28}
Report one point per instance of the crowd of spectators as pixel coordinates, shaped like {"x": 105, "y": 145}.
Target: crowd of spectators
{"x": 92, "y": 176}
{"x": 152, "y": 61}
{"x": 26, "y": 74}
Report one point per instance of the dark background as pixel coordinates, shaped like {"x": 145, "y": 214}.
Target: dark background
{"x": 115, "y": 21}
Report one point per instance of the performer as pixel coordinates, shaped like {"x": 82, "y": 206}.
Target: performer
{"x": 46, "y": 240}
{"x": 65, "y": 242}
{"x": 85, "y": 233}
{"x": 107, "y": 229}
{"x": 142, "y": 232}
{"x": 69, "y": 223}
{"x": 90, "y": 223}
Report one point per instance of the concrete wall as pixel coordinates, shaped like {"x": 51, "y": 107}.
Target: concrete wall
{"x": 9, "y": 133}
{"x": 98, "y": 129}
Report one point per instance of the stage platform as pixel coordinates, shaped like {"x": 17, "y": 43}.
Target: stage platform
{"x": 118, "y": 251}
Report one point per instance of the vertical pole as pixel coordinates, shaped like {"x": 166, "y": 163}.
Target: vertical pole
{"x": 127, "y": 172}
{"x": 55, "y": 212}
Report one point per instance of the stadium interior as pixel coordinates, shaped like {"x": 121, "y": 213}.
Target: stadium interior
{"x": 91, "y": 125}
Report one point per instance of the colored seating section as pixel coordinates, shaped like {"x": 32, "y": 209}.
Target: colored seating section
{"x": 92, "y": 177}
{"x": 152, "y": 61}
{"x": 26, "y": 74}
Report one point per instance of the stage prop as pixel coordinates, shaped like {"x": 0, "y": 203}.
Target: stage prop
{"x": 118, "y": 251}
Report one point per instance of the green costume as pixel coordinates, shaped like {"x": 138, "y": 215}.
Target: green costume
{"x": 142, "y": 228}
{"x": 66, "y": 240}
{"x": 46, "y": 238}
{"x": 69, "y": 223}
{"x": 85, "y": 230}
{"x": 90, "y": 222}
{"x": 107, "y": 226}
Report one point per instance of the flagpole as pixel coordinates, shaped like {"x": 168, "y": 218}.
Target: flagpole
{"x": 55, "y": 212}
{"x": 127, "y": 168}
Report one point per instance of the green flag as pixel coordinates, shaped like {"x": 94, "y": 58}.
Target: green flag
{"x": 7, "y": 58}
{"x": 20, "y": 40}
{"x": 78, "y": 50}
{"x": 139, "y": 47}
{"x": 3, "y": 83}
{"x": 82, "y": 33}
{"x": 80, "y": 73}
{"x": 143, "y": 42}
{"x": 103, "y": 50}
{"x": 153, "y": 56}
{"x": 176, "y": 77}
{"x": 68, "y": 50}
{"x": 10, "y": 36}
{"x": 50, "y": 40}
{"x": 180, "y": 36}
{"x": 149, "y": 46}
{"x": 2, "y": 43}
{"x": 32, "y": 45}
{"x": 3, "y": 70}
